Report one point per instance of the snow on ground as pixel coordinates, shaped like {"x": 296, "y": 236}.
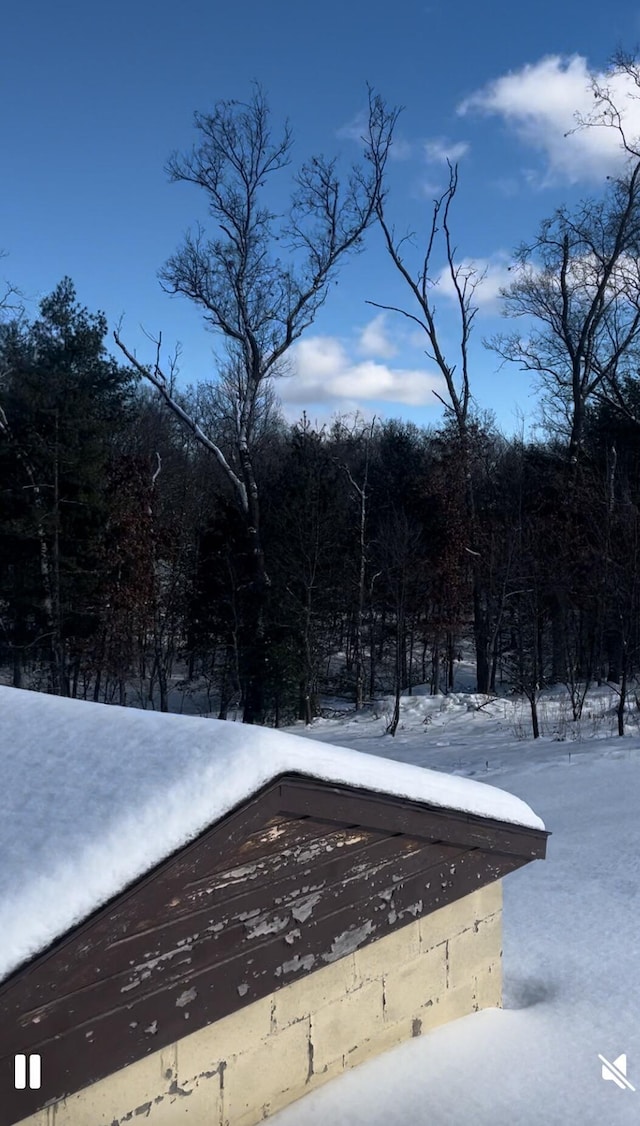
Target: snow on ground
{"x": 93, "y": 796}
{"x": 571, "y": 930}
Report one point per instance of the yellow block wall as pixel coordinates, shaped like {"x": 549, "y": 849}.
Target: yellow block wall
{"x": 249, "y": 1065}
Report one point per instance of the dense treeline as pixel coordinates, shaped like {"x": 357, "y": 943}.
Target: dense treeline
{"x": 124, "y": 562}
{"x": 150, "y": 537}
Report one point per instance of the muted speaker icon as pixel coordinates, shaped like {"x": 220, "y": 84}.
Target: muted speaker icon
{"x": 616, "y": 1072}
{"x": 26, "y": 1067}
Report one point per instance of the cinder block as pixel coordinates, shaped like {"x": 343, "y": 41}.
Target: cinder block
{"x": 433, "y": 929}
{"x": 377, "y": 958}
{"x": 201, "y": 1100}
{"x": 203, "y": 1051}
{"x": 412, "y": 985}
{"x": 142, "y": 1088}
{"x": 256, "y": 1077}
{"x": 279, "y": 1102}
{"x": 460, "y": 1002}
{"x": 338, "y": 1028}
{"x": 491, "y": 898}
{"x": 453, "y": 919}
{"x": 489, "y": 986}
{"x": 324, "y": 1074}
{"x": 382, "y": 1041}
{"x": 470, "y": 951}
{"x": 451, "y": 1005}
{"x": 332, "y": 1071}
{"x": 300, "y": 999}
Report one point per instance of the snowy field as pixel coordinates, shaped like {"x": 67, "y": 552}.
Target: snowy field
{"x": 571, "y": 930}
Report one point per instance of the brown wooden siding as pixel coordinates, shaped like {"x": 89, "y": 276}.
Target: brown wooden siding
{"x": 299, "y": 876}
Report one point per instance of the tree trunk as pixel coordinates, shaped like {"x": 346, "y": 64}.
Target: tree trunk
{"x": 495, "y": 649}
{"x": 558, "y": 647}
{"x": 229, "y": 662}
{"x": 481, "y": 636}
{"x": 17, "y": 667}
{"x": 393, "y": 726}
{"x": 372, "y": 657}
{"x": 253, "y": 652}
{"x": 577, "y": 428}
{"x": 412, "y": 634}
{"x": 615, "y": 655}
{"x": 435, "y": 668}
{"x": 623, "y": 691}
{"x": 254, "y": 647}
{"x": 533, "y": 701}
{"x": 162, "y": 683}
{"x": 450, "y": 661}
{"x": 540, "y": 648}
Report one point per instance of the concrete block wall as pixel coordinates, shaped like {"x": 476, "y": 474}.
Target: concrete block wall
{"x": 256, "y": 1061}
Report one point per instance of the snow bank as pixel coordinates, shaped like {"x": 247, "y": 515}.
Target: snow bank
{"x": 93, "y": 796}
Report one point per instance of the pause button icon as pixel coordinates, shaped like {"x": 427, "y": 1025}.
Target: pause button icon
{"x": 23, "y": 1066}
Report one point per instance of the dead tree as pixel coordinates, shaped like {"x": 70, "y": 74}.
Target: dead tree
{"x": 259, "y": 283}
{"x": 465, "y": 279}
{"x": 361, "y": 494}
{"x": 580, "y": 282}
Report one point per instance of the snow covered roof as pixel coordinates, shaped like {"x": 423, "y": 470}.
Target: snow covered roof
{"x": 93, "y": 796}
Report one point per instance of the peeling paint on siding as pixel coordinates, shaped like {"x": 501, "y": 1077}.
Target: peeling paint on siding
{"x": 348, "y": 941}
{"x": 304, "y": 908}
{"x": 246, "y": 871}
{"x": 184, "y": 998}
{"x": 414, "y": 909}
{"x": 295, "y": 964}
{"x": 264, "y": 927}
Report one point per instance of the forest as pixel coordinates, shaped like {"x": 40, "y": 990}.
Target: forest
{"x": 155, "y": 536}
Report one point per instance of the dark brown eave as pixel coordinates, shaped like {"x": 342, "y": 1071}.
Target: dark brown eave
{"x": 303, "y": 796}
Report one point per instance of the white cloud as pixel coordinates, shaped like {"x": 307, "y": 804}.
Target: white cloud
{"x": 487, "y": 294}
{"x": 541, "y": 102}
{"x": 430, "y": 189}
{"x": 439, "y": 150}
{"x": 355, "y": 129}
{"x": 401, "y": 149}
{"x": 322, "y": 372}
{"x": 374, "y": 341}
{"x": 584, "y": 276}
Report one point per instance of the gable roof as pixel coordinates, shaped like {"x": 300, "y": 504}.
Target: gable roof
{"x": 93, "y": 796}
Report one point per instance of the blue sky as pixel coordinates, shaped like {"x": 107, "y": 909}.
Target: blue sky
{"x": 95, "y": 98}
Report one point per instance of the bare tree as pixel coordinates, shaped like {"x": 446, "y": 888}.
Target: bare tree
{"x": 580, "y": 281}
{"x": 10, "y": 298}
{"x": 465, "y": 279}
{"x": 258, "y": 301}
{"x": 360, "y": 491}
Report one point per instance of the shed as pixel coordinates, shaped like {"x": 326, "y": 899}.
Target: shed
{"x": 204, "y": 921}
